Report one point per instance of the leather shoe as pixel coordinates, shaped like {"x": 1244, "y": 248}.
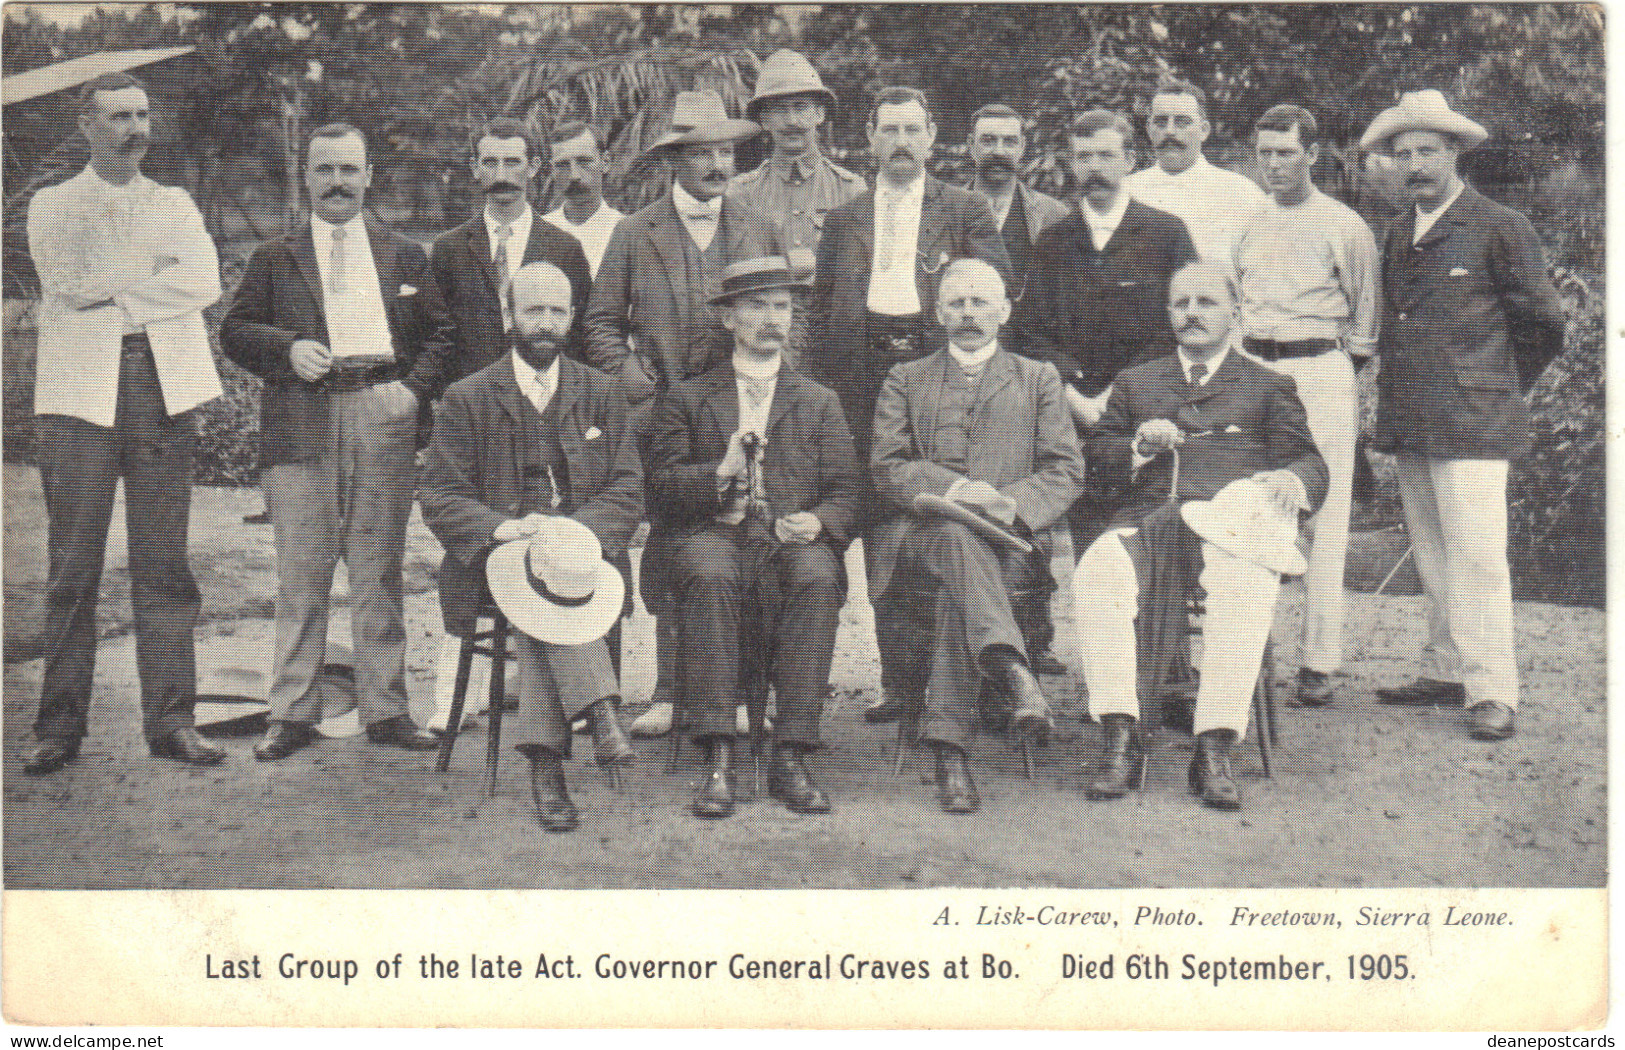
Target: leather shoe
{"x": 1424, "y": 692}
{"x": 402, "y": 732}
{"x": 1047, "y": 663}
{"x": 1491, "y": 720}
{"x": 790, "y": 783}
{"x": 185, "y": 745}
{"x": 1314, "y": 688}
{"x": 890, "y": 708}
{"x": 50, "y": 755}
{"x": 715, "y": 798}
{"x": 553, "y": 806}
{"x": 956, "y": 791}
{"x": 283, "y": 739}
{"x": 1120, "y": 764}
{"x": 1210, "y": 770}
{"x": 1031, "y": 717}
{"x": 610, "y": 743}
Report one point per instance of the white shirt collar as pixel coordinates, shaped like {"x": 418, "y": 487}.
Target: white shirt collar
{"x": 687, "y": 204}
{"x": 915, "y": 190}
{"x": 355, "y": 230}
{"x": 1211, "y": 364}
{"x": 1198, "y": 168}
{"x": 1109, "y": 219}
{"x": 102, "y": 186}
{"x": 1425, "y": 220}
{"x": 971, "y": 360}
{"x": 518, "y": 229}
{"x": 751, "y": 368}
{"x": 527, "y": 378}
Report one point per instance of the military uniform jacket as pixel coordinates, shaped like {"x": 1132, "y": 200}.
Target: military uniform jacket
{"x": 797, "y": 196}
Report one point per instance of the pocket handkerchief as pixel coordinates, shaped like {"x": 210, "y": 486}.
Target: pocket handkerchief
{"x": 1458, "y": 272}
{"x": 592, "y": 432}
{"x": 407, "y": 289}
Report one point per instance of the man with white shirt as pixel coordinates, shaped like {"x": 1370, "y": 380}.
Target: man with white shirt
{"x": 1307, "y": 268}
{"x": 126, "y": 268}
{"x": 532, "y": 437}
{"x": 343, "y": 320}
{"x": 753, "y": 487}
{"x": 1214, "y": 203}
{"x": 1470, "y": 321}
{"x": 578, "y": 175}
{"x": 474, "y": 262}
{"x": 1096, "y": 302}
{"x": 1230, "y": 418}
{"x": 988, "y": 430}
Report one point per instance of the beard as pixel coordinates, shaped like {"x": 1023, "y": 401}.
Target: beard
{"x": 537, "y": 351}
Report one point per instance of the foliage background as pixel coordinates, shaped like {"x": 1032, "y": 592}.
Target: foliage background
{"x": 419, "y": 77}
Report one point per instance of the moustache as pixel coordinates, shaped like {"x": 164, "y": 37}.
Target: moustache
{"x": 769, "y": 333}
{"x": 1418, "y": 180}
{"x": 902, "y": 151}
{"x": 1097, "y": 182}
{"x": 338, "y": 191}
{"x": 575, "y": 186}
{"x": 1193, "y": 326}
{"x": 994, "y": 163}
{"x": 505, "y": 185}
{"x": 134, "y": 142}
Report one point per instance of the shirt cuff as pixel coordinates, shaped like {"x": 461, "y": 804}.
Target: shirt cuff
{"x": 955, "y": 487}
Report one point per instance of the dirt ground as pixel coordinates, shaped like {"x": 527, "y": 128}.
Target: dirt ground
{"x": 1363, "y": 795}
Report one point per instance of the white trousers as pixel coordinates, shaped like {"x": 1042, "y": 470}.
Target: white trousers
{"x": 1326, "y": 388}
{"x": 1240, "y": 610}
{"x": 1456, "y": 513}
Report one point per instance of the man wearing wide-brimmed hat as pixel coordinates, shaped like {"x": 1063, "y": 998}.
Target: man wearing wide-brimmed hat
{"x": 752, "y": 489}
{"x": 1470, "y": 321}
{"x": 797, "y": 185}
{"x": 523, "y": 450}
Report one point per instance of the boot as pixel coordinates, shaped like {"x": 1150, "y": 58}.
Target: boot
{"x": 790, "y": 783}
{"x": 715, "y": 798}
{"x": 1210, "y": 770}
{"x": 956, "y": 791}
{"x": 610, "y": 744}
{"x": 1120, "y": 764}
{"x": 1031, "y": 717}
{"x": 553, "y": 806}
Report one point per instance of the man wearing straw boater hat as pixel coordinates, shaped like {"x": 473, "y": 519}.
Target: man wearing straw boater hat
{"x": 1247, "y": 467}
{"x": 531, "y": 474}
{"x": 753, "y": 485}
{"x": 650, "y": 321}
{"x": 1469, "y": 322}
{"x": 796, "y": 186}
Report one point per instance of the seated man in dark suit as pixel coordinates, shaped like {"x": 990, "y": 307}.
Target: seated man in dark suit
{"x": 988, "y": 430}
{"x": 535, "y": 435}
{"x": 1230, "y": 418}
{"x": 753, "y": 485}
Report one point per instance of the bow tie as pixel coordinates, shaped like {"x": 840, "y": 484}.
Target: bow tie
{"x": 703, "y": 215}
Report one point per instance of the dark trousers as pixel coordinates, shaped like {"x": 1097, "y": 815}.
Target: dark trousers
{"x": 948, "y": 603}
{"x": 739, "y": 588}
{"x": 80, "y": 465}
{"x": 889, "y": 341}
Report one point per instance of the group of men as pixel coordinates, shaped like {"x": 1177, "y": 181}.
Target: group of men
{"x": 1167, "y": 366}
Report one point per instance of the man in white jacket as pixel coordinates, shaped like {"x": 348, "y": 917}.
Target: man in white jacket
{"x": 126, "y": 268}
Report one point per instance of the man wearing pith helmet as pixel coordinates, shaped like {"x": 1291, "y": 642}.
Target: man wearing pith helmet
{"x": 1469, "y": 322}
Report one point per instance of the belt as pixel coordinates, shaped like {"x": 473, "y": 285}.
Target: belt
{"x": 343, "y": 380}
{"x": 1276, "y": 350}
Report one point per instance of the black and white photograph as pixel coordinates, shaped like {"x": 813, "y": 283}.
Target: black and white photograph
{"x": 860, "y": 447}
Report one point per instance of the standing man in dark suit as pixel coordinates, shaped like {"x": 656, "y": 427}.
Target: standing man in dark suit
{"x": 987, "y": 429}
{"x": 753, "y": 485}
{"x": 1231, "y": 418}
{"x": 536, "y": 435}
{"x": 1470, "y": 321}
{"x": 881, "y": 256}
{"x": 996, "y": 144}
{"x": 650, "y": 322}
{"x": 1097, "y": 299}
{"x": 344, "y": 322}
{"x": 474, "y": 262}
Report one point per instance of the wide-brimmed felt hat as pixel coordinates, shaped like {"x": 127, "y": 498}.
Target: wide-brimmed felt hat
{"x": 1424, "y": 110}
{"x": 756, "y": 275}
{"x": 1243, "y": 520}
{"x": 786, "y": 73}
{"x": 698, "y": 116}
{"x": 555, "y": 585}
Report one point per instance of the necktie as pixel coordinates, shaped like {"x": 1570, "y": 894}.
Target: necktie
{"x": 500, "y": 258}
{"x": 1198, "y": 373}
{"x": 888, "y": 231}
{"x": 702, "y": 224}
{"x": 335, "y": 263}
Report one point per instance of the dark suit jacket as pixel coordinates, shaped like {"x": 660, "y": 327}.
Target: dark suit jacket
{"x": 808, "y": 463}
{"x": 1021, "y": 442}
{"x": 1470, "y": 320}
{"x": 954, "y": 224}
{"x": 461, "y": 260}
{"x": 279, "y": 300}
{"x": 641, "y": 309}
{"x": 1093, "y": 313}
{"x": 1253, "y": 412}
{"x": 473, "y": 476}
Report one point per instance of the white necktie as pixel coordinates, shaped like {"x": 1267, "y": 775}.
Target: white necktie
{"x": 335, "y": 262}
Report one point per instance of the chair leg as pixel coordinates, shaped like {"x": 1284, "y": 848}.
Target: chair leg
{"x": 493, "y": 740}
{"x": 678, "y": 727}
{"x": 459, "y": 693}
{"x": 1027, "y": 757}
{"x": 756, "y": 714}
{"x": 1261, "y": 723}
{"x": 908, "y": 733}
